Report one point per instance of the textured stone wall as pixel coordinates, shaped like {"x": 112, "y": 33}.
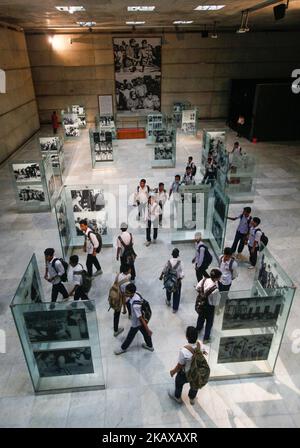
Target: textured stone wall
{"x": 194, "y": 69}
{"x": 18, "y": 109}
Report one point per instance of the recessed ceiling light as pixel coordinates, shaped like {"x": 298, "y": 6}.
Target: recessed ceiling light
{"x": 135, "y": 23}
{"x": 70, "y": 9}
{"x": 140, "y": 8}
{"x": 209, "y": 7}
{"x": 183, "y": 22}
{"x": 88, "y": 24}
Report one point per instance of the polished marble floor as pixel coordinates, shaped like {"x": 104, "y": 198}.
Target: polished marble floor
{"x": 137, "y": 381}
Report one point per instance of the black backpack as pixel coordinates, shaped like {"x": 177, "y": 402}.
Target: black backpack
{"x": 129, "y": 254}
{"x": 64, "y": 277}
{"x": 99, "y": 238}
{"x": 86, "y": 280}
{"x": 207, "y": 257}
{"x": 202, "y": 298}
{"x": 194, "y": 170}
{"x": 264, "y": 239}
{"x": 170, "y": 277}
{"x": 146, "y": 309}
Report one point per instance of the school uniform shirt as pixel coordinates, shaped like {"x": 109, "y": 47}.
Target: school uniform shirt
{"x": 142, "y": 194}
{"x": 125, "y": 236}
{"x": 254, "y": 236}
{"x": 152, "y": 212}
{"x": 185, "y": 356}
{"x": 199, "y": 256}
{"x": 227, "y": 276}
{"x": 136, "y": 311}
{"x": 122, "y": 277}
{"x": 188, "y": 179}
{"x": 179, "y": 269}
{"x": 91, "y": 241}
{"x": 243, "y": 226}
{"x": 175, "y": 187}
{"x": 74, "y": 278}
{"x": 161, "y": 196}
{"x": 215, "y": 297}
{"x": 56, "y": 273}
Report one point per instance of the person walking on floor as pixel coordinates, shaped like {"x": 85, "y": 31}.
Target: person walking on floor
{"x": 54, "y": 121}
{"x": 242, "y": 231}
{"x": 208, "y": 298}
{"x": 203, "y": 257}
{"x": 191, "y": 165}
{"x": 141, "y": 197}
{"x": 183, "y": 366}
{"x": 75, "y": 272}
{"x": 152, "y": 213}
{"x": 188, "y": 178}
{"x": 228, "y": 266}
{"x": 173, "y": 275}
{"x": 161, "y": 198}
{"x": 255, "y": 235}
{"x": 91, "y": 244}
{"x": 54, "y": 274}
{"x": 174, "y": 188}
{"x": 138, "y": 323}
{"x": 125, "y": 250}
{"x": 123, "y": 279}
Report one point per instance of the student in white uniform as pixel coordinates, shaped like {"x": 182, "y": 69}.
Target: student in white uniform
{"x": 152, "y": 213}
{"x": 242, "y": 230}
{"x": 75, "y": 279}
{"x": 161, "y": 197}
{"x": 123, "y": 280}
{"x": 254, "y": 241}
{"x": 53, "y": 274}
{"x": 141, "y": 197}
{"x": 228, "y": 266}
{"x": 125, "y": 250}
{"x": 176, "y": 264}
{"x": 91, "y": 244}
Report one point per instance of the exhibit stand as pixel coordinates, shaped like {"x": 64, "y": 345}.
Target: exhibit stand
{"x": 216, "y": 223}
{"x": 189, "y": 123}
{"x": 60, "y": 342}
{"x": 81, "y": 115}
{"x": 241, "y": 177}
{"x": 70, "y": 123}
{"x": 101, "y": 147}
{"x": 164, "y": 149}
{"x": 249, "y": 325}
{"x": 155, "y": 124}
{"x": 178, "y": 107}
{"x": 106, "y": 123}
{"x": 53, "y": 146}
{"x": 35, "y": 184}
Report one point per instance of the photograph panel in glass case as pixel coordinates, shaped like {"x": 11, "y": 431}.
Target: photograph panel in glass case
{"x": 49, "y": 144}
{"x": 97, "y": 221}
{"x": 79, "y": 110}
{"x": 88, "y": 200}
{"x": 72, "y": 131}
{"x": 73, "y": 361}
{"x": 81, "y": 121}
{"x": 220, "y": 205}
{"x": 63, "y": 223}
{"x": 106, "y": 121}
{"x": 244, "y": 348}
{"x": 31, "y": 194}
{"x": 253, "y": 312}
{"x": 268, "y": 275}
{"x": 217, "y": 230}
{"x": 61, "y": 325}
{"x": 27, "y": 172}
{"x": 29, "y": 290}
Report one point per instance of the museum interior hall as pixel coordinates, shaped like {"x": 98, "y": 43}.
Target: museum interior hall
{"x": 150, "y": 214}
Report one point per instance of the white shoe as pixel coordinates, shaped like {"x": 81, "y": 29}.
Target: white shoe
{"x": 119, "y": 352}
{"x": 99, "y": 272}
{"x": 171, "y": 395}
{"x": 151, "y": 349}
{"x": 147, "y": 243}
{"x": 251, "y": 267}
{"x": 116, "y": 333}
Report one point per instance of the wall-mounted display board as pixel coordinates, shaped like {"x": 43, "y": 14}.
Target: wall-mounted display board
{"x": 70, "y": 123}
{"x": 164, "y": 149}
{"x": 101, "y": 147}
{"x": 178, "y": 107}
{"x": 189, "y": 121}
{"x": 81, "y": 115}
{"x": 61, "y": 344}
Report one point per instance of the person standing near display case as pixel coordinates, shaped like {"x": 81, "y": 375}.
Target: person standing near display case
{"x": 242, "y": 231}
{"x": 54, "y": 121}
{"x": 125, "y": 250}
{"x": 228, "y": 266}
{"x": 161, "y": 197}
{"x": 188, "y": 178}
{"x": 54, "y": 274}
{"x": 91, "y": 244}
{"x": 152, "y": 213}
{"x": 141, "y": 197}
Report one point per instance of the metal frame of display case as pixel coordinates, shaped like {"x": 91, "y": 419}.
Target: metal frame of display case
{"x": 108, "y": 152}
{"x": 61, "y": 345}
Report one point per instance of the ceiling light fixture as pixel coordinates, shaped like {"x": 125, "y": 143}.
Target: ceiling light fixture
{"x": 140, "y": 8}
{"x": 244, "y": 28}
{"x": 209, "y": 7}
{"x": 135, "y": 23}
{"x": 70, "y": 9}
{"x": 183, "y": 22}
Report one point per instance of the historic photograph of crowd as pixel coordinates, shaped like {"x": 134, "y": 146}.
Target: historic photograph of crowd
{"x": 72, "y": 131}
{"x": 137, "y": 74}
{"x": 103, "y": 148}
{"x": 244, "y": 348}
{"x": 31, "y": 193}
{"x": 217, "y": 230}
{"x": 254, "y": 312}
{"x": 49, "y": 144}
{"x": 73, "y": 361}
{"x": 60, "y": 325}
{"x": 27, "y": 172}
{"x": 62, "y": 221}
{"x": 88, "y": 200}
{"x": 220, "y": 205}
{"x": 266, "y": 277}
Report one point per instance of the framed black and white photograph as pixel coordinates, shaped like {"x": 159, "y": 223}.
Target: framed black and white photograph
{"x": 27, "y": 172}
{"x": 63, "y": 223}
{"x": 106, "y": 121}
{"x": 82, "y": 122}
{"x": 49, "y": 144}
{"x": 60, "y": 325}
{"x": 217, "y": 230}
{"x": 70, "y": 119}
{"x": 29, "y": 289}
{"x": 31, "y": 193}
{"x": 88, "y": 200}
{"x": 253, "y": 312}
{"x": 137, "y": 63}
{"x": 163, "y": 152}
{"x": 72, "y": 131}
{"x": 72, "y": 361}
{"x": 220, "y": 205}
{"x": 78, "y": 110}
{"x": 267, "y": 275}
{"x": 51, "y": 185}
{"x": 97, "y": 221}
{"x": 244, "y": 348}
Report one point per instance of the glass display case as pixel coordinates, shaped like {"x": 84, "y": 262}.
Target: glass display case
{"x": 63, "y": 225}
{"x": 155, "y": 124}
{"x": 61, "y": 345}
{"x": 164, "y": 149}
{"x": 70, "y": 124}
{"x": 106, "y": 123}
{"x": 241, "y": 176}
{"x": 81, "y": 115}
{"x": 214, "y": 146}
{"x": 53, "y": 146}
{"x": 178, "y": 107}
{"x": 101, "y": 147}
{"x": 189, "y": 122}
{"x": 217, "y": 219}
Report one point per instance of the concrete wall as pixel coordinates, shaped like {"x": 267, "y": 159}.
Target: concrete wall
{"x": 194, "y": 69}
{"x": 18, "y": 109}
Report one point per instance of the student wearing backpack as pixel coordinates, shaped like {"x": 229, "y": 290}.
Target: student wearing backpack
{"x": 91, "y": 246}
{"x": 255, "y": 236}
{"x": 55, "y": 273}
{"x": 173, "y": 275}
{"x": 208, "y": 298}
{"x": 174, "y": 188}
{"x": 186, "y": 371}
{"x": 75, "y": 277}
{"x": 242, "y": 230}
{"x": 191, "y": 165}
{"x": 141, "y": 197}
{"x": 203, "y": 257}
{"x": 123, "y": 279}
{"x": 125, "y": 250}
{"x": 138, "y": 321}
{"x": 228, "y": 266}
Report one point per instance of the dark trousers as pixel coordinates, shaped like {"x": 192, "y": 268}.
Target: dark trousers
{"x": 224, "y": 287}
{"x": 117, "y": 316}
{"x": 131, "y": 335}
{"x": 176, "y": 296}
{"x": 141, "y": 208}
{"x": 180, "y": 381}
{"x": 253, "y": 256}
{"x": 80, "y": 294}
{"x": 200, "y": 272}
{"x": 148, "y": 230}
{"x": 59, "y": 288}
{"x": 55, "y": 130}
{"x": 239, "y": 239}
{"x": 161, "y": 214}
{"x": 132, "y": 267}
{"x": 207, "y": 315}
{"x": 90, "y": 261}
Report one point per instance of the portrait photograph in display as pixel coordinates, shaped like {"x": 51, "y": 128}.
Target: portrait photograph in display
{"x": 95, "y": 220}
{"x": 244, "y": 348}
{"x": 268, "y": 275}
{"x": 49, "y": 144}
{"x": 254, "y": 312}
{"x": 81, "y": 122}
{"x": 27, "y": 172}
{"x": 72, "y": 131}
{"x": 217, "y": 230}
{"x": 137, "y": 63}
{"x": 72, "y": 361}
{"x": 31, "y": 193}
{"x": 220, "y": 205}
{"x": 88, "y": 200}
{"x": 60, "y": 325}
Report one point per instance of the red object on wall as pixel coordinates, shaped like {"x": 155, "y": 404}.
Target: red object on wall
{"x": 127, "y": 133}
